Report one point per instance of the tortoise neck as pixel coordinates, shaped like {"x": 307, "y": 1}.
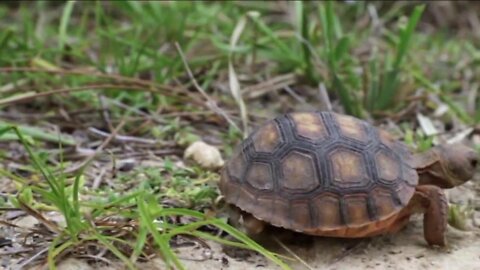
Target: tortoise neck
{"x": 422, "y": 161}
{"x": 428, "y": 167}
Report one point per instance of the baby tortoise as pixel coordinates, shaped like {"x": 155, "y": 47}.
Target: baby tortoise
{"x": 328, "y": 174}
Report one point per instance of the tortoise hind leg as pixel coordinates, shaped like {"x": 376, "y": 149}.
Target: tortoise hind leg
{"x": 239, "y": 218}
{"x": 434, "y": 205}
{"x": 252, "y": 224}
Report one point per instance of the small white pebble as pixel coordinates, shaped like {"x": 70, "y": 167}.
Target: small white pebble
{"x": 205, "y": 155}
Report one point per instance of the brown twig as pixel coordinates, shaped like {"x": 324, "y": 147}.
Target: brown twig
{"x": 297, "y": 97}
{"x": 273, "y": 84}
{"x": 49, "y": 224}
{"x": 325, "y": 104}
{"x": 95, "y": 257}
{"x": 117, "y": 103}
{"x": 292, "y": 253}
{"x": 25, "y": 98}
{"x": 98, "y": 179}
{"x": 98, "y": 150}
{"x": 13, "y": 252}
{"x": 31, "y": 259}
{"x": 114, "y": 77}
{"x": 18, "y": 116}
{"x": 210, "y": 103}
{"x": 122, "y": 138}
{"x": 105, "y": 112}
{"x": 349, "y": 250}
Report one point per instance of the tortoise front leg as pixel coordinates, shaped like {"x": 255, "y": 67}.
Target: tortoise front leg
{"x": 432, "y": 202}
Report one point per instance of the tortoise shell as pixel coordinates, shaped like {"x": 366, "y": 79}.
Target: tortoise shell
{"x": 320, "y": 173}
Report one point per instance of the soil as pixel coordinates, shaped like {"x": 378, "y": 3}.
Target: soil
{"x": 404, "y": 250}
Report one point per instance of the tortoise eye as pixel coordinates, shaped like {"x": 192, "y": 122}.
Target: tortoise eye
{"x": 474, "y": 162}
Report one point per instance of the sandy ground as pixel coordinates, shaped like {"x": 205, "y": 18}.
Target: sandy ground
{"x": 405, "y": 250}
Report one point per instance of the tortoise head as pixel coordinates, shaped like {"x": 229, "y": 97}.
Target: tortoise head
{"x": 446, "y": 166}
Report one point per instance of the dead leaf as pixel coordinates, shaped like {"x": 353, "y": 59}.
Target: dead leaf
{"x": 427, "y": 125}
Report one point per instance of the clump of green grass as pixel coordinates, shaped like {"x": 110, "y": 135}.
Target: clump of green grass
{"x": 60, "y": 194}
{"x": 189, "y": 187}
{"x": 383, "y": 73}
{"x": 315, "y": 45}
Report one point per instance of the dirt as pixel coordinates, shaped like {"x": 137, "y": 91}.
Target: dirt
{"x": 404, "y": 250}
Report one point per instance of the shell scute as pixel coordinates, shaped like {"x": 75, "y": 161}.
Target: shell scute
{"x": 351, "y": 128}
{"x": 267, "y": 138}
{"x": 298, "y": 171}
{"x": 328, "y": 211}
{"x": 356, "y": 210}
{"x": 348, "y": 167}
{"x": 260, "y": 176}
{"x": 309, "y": 126}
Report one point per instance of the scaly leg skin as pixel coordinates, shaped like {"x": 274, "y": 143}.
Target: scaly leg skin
{"x": 234, "y": 214}
{"x": 239, "y": 218}
{"x": 252, "y": 225}
{"x": 433, "y": 202}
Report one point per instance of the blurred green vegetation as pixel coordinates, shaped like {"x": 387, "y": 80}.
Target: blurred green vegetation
{"x": 371, "y": 56}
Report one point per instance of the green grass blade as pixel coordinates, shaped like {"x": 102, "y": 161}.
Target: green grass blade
{"x": 457, "y": 110}
{"x": 406, "y": 35}
{"x": 391, "y": 78}
{"x": 104, "y": 240}
{"x": 249, "y": 242}
{"x": 5, "y": 38}
{"x": 388, "y": 90}
{"x": 54, "y": 249}
{"x": 302, "y": 29}
{"x": 342, "y": 48}
{"x": 281, "y": 45}
{"x": 100, "y": 209}
{"x": 38, "y": 164}
{"x": 76, "y": 187}
{"x": 161, "y": 240}
{"x": 227, "y": 228}
{"x": 349, "y": 102}
{"x": 5, "y": 129}
{"x": 373, "y": 87}
{"x": 66, "y": 15}
{"x": 140, "y": 243}
{"x": 40, "y": 134}
{"x": 325, "y": 24}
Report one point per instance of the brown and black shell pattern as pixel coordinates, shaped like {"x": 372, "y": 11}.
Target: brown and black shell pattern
{"x": 316, "y": 172}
